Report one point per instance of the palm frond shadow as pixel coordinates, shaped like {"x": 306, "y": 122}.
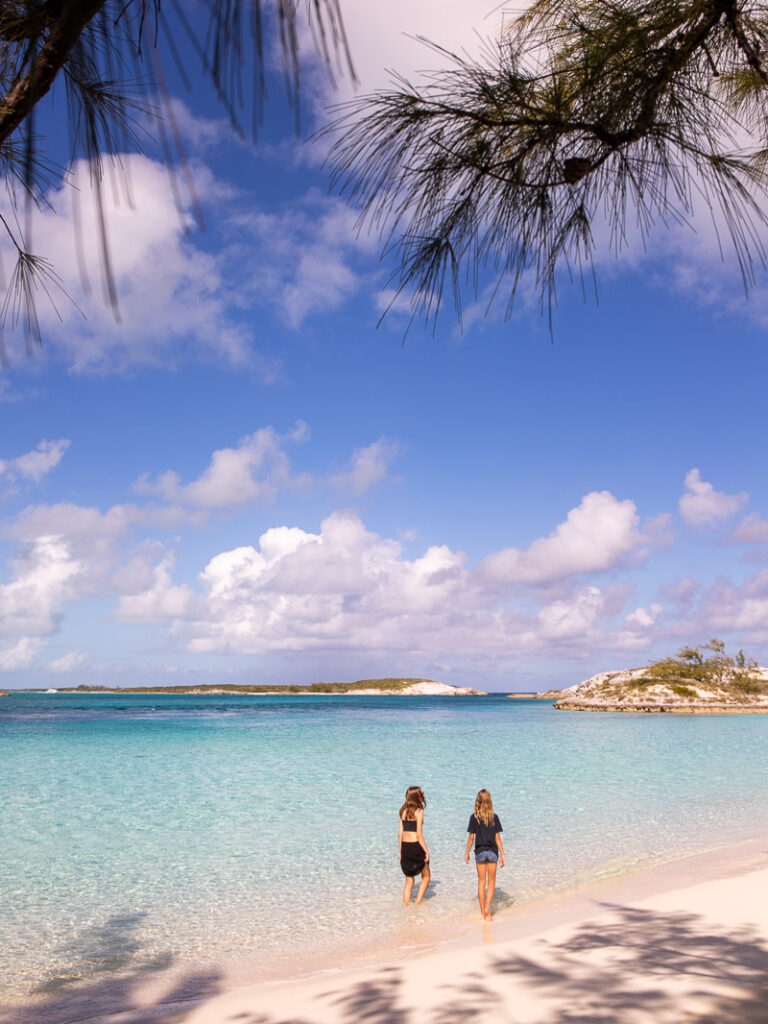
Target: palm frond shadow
{"x": 104, "y": 977}
{"x": 726, "y": 968}
{"x": 647, "y": 950}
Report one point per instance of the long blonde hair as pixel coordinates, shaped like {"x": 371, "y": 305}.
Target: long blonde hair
{"x": 484, "y": 807}
{"x": 414, "y": 801}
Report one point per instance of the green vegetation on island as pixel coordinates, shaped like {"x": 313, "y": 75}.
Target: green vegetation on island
{"x": 707, "y": 666}
{"x": 697, "y": 679}
{"x": 391, "y": 684}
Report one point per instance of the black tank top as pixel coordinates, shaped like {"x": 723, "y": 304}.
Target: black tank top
{"x": 409, "y": 826}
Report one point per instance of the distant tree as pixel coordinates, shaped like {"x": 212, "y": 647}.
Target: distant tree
{"x": 587, "y": 111}
{"x": 109, "y": 55}
{"x": 708, "y": 664}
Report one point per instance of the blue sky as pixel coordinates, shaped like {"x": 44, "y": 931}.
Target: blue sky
{"x": 246, "y": 481}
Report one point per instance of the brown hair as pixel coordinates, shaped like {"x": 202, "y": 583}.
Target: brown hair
{"x": 484, "y": 807}
{"x": 414, "y": 801}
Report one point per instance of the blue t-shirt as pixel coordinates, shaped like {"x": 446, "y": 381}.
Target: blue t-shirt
{"x": 485, "y": 835}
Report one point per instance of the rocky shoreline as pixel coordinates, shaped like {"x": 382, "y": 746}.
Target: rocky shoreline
{"x": 633, "y": 690}
{"x": 679, "y": 709}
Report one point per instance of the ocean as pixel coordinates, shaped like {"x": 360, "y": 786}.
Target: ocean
{"x": 145, "y": 831}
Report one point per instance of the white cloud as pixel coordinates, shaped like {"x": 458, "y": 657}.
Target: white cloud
{"x": 161, "y": 601}
{"x": 200, "y": 133}
{"x": 346, "y": 589}
{"x": 644, "y": 617}
{"x": 68, "y": 551}
{"x": 369, "y": 466}
{"x": 751, "y": 530}
{"x": 35, "y": 464}
{"x": 68, "y": 662}
{"x": 385, "y": 38}
{"x": 172, "y": 296}
{"x": 572, "y": 618}
{"x": 694, "y": 258}
{"x": 46, "y": 578}
{"x": 702, "y": 505}
{"x": 725, "y": 607}
{"x": 596, "y": 535}
{"x": 304, "y": 258}
{"x": 341, "y": 588}
{"x": 256, "y": 470}
{"x": 20, "y": 654}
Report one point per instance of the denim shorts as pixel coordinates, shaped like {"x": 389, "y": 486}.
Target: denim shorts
{"x": 486, "y": 857}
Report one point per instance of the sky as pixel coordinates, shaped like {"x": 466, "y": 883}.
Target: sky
{"x": 246, "y": 478}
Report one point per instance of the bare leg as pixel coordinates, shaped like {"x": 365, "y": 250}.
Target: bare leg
{"x": 407, "y": 890}
{"x": 482, "y": 873}
{"x": 425, "y": 877}
{"x": 490, "y": 891}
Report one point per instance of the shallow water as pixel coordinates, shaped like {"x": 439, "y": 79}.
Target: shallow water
{"x": 157, "y": 829}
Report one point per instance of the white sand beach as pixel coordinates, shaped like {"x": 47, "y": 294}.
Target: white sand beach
{"x": 683, "y": 942}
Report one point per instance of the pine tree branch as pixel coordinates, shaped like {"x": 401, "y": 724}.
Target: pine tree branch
{"x": 750, "y": 52}
{"x": 29, "y": 89}
{"x": 597, "y": 110}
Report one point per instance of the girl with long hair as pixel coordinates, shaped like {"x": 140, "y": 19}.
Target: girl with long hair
{"x": 414, "y": 854}
{"x": 485, "y": 832}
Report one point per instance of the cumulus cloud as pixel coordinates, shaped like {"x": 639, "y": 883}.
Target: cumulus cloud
{"x": 596, "y": 535}
{"x": 305, "y": 260}
{"x": 370, "y": 465}
{"x": 389, "y": 38}
{"x": 256, "y": 470}
{"x": 20, "y": 654}
{"x": 751, "y": 530}
{"x": 572, "y": 618}
{"x": 342, "y": 587}
{"x": 92, "y": 538}
{"x": 67, "y": 551}
{"x": 46, "y": 577}
{"x": 644, "y": 617}
{"x": 160, "y": 601}
{"x": 172, "y": 296}
{"x": 35, "y": 464}
{"x": 681, "y": 595}
{"x": 67, "y": 662}
{"x": 346, "y": 588}
{"x": 702, "y": 505}
{"x": 200, "y": 133}
{"x": 726, "y": 607}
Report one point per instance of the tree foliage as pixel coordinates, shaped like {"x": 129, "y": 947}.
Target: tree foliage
{"x": 108, "y": 56}
{"x": 708, "y": 665}
{"x": 617, "y": 113}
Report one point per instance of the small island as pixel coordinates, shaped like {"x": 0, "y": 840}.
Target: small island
{"x": 698, "y": 680}
{"x": 409, "y": 687}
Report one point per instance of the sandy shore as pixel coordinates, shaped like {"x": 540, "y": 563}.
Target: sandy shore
{"x": 684, "y": 942}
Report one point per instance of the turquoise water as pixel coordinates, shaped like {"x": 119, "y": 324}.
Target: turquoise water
{"x": 189, "y": 829}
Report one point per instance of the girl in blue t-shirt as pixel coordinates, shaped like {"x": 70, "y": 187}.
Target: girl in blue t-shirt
{"x": 485, "y": 832}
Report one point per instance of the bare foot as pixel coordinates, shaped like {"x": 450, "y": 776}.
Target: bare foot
{"x": 487, "y": 916}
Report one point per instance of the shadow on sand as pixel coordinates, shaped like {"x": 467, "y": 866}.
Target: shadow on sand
{"x": 630, "y": 968}
{"x": 648, "y": 957}
{"x": 107, "y": 968}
